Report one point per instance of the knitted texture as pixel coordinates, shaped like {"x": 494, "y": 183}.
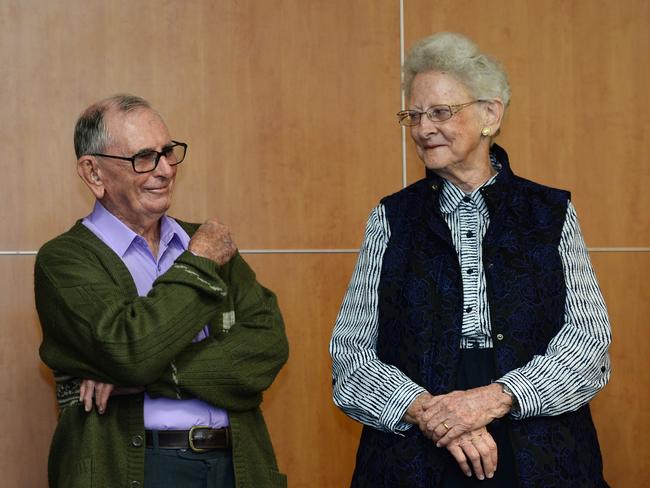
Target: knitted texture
{"x": 96, "y": 326}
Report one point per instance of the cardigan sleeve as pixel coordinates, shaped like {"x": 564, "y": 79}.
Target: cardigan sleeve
{"x": 231, "y": 368}
{"x": 93, "y": 328}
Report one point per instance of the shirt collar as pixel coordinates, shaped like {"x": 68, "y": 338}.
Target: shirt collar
{"x": 172, "y": 233}
{"x": 119, "y": 237}
{"x": 451, "y": 195}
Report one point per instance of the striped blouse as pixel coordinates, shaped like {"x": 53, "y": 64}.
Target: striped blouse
{"x": 574, "y": 368}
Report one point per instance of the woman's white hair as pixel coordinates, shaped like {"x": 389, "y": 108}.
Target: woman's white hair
{"x": 457, "y": 55}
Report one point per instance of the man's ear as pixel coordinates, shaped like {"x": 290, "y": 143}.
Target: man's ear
{"x": 91, "y": 175}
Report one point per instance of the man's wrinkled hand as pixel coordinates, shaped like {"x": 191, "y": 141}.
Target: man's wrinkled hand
{"x": 94, "y": 390}
{"x": 214, "y": 241}
{"x": 99, "y": 392}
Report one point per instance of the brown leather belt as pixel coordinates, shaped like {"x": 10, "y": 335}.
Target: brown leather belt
{"x": 198, "y": 439}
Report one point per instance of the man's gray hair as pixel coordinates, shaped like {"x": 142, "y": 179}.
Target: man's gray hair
{"x": 457, "y": 55}
{"x": 90, "y": 132}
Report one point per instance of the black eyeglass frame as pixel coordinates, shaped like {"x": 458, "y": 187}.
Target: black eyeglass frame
{"x": 453, "y": 110}
{"x": 159, "y": 154}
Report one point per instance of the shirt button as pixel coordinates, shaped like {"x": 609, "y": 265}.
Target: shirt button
{"x": 136, "y": 441}
{"x": 468, "y": 309}
{"x": 499, "y": 337}
{"x": 467, "y": 199}
{"x": 470, "y": 233}
{"x": 135, "y": 484}
{"x": 470, "y": 271}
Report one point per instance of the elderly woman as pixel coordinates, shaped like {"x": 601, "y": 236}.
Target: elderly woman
{"x": 473, "y": 333}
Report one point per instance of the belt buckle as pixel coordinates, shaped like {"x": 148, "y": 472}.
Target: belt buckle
{"x": 191, "y": 439}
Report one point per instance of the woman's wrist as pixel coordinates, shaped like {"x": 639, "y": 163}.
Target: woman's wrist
{"x": 507, "y": 397}
{"x": 415, "y": 409}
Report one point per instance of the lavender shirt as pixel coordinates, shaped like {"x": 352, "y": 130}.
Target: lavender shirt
{"x": 159, "y": 413}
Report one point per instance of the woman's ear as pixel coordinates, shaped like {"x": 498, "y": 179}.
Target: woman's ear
{"x": 493, "y": 114}
{"x": 90, "y": 174}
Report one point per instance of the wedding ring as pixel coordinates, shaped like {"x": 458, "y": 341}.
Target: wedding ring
{"x": 446, "y": 426}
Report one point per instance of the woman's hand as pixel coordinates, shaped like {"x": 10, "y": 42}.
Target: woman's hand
{"x": 447, "y": 417}
{"x": 475, "y": 451}
{"x": 416, "y": 408}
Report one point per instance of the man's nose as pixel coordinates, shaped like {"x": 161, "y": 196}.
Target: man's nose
{"x": 164, "y": 168}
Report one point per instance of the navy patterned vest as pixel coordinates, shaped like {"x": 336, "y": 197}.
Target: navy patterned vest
{"x": 420, "y": 319}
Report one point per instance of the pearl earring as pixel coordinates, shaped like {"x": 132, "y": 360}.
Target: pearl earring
{"x": 486, "y": 132}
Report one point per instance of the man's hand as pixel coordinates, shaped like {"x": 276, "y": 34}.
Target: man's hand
{"x": 478, "y": 449}
{"x": 447, "y": 417}
{"x": 101, "y": 392}
{"x": 213, "y": 241}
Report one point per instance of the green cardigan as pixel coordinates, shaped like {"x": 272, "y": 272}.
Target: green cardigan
{"x": 96, "y": 326}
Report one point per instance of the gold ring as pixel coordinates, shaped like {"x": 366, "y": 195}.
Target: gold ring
{"x": 446, "y": 426}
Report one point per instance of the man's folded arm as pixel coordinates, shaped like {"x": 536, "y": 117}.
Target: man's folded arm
{"x": 231, "y": 369}
{"x": 93, "y": 328}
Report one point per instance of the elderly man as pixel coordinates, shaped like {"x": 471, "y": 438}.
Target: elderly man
{"x": 166, "y": 311}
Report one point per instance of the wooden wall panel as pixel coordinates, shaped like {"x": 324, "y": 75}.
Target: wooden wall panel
{"x": 579, "y": 112}
{"x": 315, "y": 442}
{"x": 288, "y": 107}
{"x": 579, "y": 120}
{"x": 621, "y": 410}
{"x": 284, "y": 104}
{"x": 27, "y": 402}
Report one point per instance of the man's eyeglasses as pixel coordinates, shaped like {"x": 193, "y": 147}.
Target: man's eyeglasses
{"x": 147, "y": 161}
{"x": 437, "y": 113}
